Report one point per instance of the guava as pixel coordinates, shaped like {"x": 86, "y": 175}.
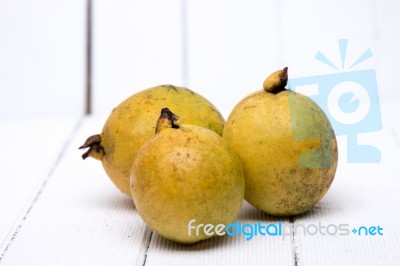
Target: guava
{"x": 131, "y": 123}
{"x": 186, "y": 174}
{"x": 286, "y": 145}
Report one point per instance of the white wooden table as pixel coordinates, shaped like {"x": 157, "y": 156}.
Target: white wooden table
{"x": 56, "y": 209}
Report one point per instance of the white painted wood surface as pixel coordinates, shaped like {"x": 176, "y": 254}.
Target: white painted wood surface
{"x": 42, "y": 46}
{"x": 80, "y": 218}
{"x": 136, "y": 45}
{"x": 56, "y": 209}
{"x": 32, "y": 150}
{"x": 232, "y": 47}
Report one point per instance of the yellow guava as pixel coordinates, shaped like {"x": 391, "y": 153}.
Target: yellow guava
{"x": 186, "y": 175}
{"x": 286, "y": 145}
{"x": 131, "y": 123}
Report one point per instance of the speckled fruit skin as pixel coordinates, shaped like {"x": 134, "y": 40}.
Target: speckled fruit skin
{"x": 287, "y": 148}
{"x": 184, "y": 174}
{"x": 132, "y": 123}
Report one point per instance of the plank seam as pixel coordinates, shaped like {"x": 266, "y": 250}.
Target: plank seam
{"x": 41, "y": 188}
{"x": 89, "y": 29}
{"x": 147, "y": 247}
{"x": 294, "y": 246}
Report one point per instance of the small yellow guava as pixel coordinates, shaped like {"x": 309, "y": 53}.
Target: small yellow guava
{"x": 286, "y": 145}
{"x": 131, "y": 123}
{"x": 186, "y": 174}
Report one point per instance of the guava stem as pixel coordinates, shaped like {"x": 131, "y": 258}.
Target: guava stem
{"x": 95, "y": 149}
{"x": 167, "y": 119}
{"x": 277, "y": 81}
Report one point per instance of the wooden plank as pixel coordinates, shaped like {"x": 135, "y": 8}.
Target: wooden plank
{"x": 31, "y": 150}
{"x": 136, "y": 45}
{"x": 80, "y": 218}
{"x": 232, "y": 47}
{"x": 41, "y": 78}
{"x": 41, "y": 58}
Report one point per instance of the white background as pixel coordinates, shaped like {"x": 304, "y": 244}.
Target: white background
{"x": 55, "y": 209}
{"x": 221, "y": 49}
